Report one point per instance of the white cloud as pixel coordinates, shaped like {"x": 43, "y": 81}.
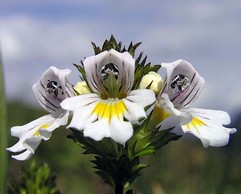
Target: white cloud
{"x": 207, "y": 34}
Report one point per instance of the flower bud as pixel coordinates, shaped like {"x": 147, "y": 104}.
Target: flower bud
{"x": 82, "y": 88}
{"x": 153, "y": 81}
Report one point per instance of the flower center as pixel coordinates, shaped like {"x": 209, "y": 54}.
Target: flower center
{"x": 179, "y": 82}
{"x": 108, "y": 109}
{"x": 110, "y": 69}
{"x": 110, "y": 74}
{"x": 52, "y": 88}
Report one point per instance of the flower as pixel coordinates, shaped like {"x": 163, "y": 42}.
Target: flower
{"x": 112, "y": 107}
{"x": 152, "y": 80}
{"x": 181, "y": 87}
{"x": 50, "y": 91}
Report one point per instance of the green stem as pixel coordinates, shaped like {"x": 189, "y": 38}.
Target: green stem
{"x": 3, "y": 134}
{"x": 119, "y": 188}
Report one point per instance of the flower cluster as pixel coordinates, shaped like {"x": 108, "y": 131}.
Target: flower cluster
{"x": 116, "y": 95}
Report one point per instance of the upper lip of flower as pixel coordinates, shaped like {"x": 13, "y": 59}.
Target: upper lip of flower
{"x": 183, "y": 84}
{"x": 108, "y": 71}
{"x": 52, "y": 89}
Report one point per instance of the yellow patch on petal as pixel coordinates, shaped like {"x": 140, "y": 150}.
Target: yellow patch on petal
{"x": 159, "y": 114}
{"x": 107, "y": 110}
{"x": 196, "y": 123}
{"x": 36, "y": 133}
{"x": 44, "y": 126}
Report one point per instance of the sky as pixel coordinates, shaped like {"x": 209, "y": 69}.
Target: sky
{"x": 37, "y": 34}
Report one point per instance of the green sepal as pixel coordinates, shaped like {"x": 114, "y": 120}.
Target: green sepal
{"x": 142, "y": 68}
{"x": 81, "y": 70}
{"x": 104, "y": 147}
{"x": 118, "y": 171}
{"x": 147, "y": 141}
{"x": 132, "y": 48}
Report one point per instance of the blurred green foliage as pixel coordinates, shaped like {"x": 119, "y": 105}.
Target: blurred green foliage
{"x": 181, "y": 167}
{"x": 37, "y": 179}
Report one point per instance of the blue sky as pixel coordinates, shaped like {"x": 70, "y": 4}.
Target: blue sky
{"x": 37, "y": 34}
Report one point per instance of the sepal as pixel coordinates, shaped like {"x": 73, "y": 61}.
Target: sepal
{"x": 105, "y": 147}
{"x": 146, "y": 141}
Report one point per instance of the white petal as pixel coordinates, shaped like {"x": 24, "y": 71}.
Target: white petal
{"x": 31, "y": 134}
{"x": 82, "y": 117}
{"x": 120, "y": 131}
{"x": 126, "y": 65}
{"x": 98, "y": 130}
{"x": 218, "y": 115}
{"x": 18, "y": 131}
{"x": 60, "y": 119}
{"x": 18, "y": 147}
{"x": 134, "y": 113}
{"x": 23, "y": 156}
{"x": 208, "y": 128}
{"x": 52, "y": 88}
{"x": 93, "y": 67}
{"x": 32, "y": 143}
{"x": 77, "y": 102}
{"x": 182, "y": 98}
{"x": 94, "y": 64}
{"x": 143, "y": 97}
{"x": 165, "y": 103}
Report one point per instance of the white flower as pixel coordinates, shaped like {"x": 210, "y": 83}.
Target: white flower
{"x": 50, "y": 91}
{"x": 111, "y": 108}
{"x": 181, "y": 87}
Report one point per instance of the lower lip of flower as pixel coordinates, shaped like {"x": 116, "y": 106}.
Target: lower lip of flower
{"x": 107, "y": 109}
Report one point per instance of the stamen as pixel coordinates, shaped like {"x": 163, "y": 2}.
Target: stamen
{"x": 180, "y": 82}
{"x": 109, "y": 68}
{"x": 52, "y": 88}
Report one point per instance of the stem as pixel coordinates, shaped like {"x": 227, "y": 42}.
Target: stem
{"x": 119, "y": 188}
{"x": 3, "y": 134}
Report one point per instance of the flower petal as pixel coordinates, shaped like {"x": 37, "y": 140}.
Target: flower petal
{"x": 31, "y": 134}
{"x": 183, "y": 84}
{"x": 79, "y": 120}
{"x": 52, "y": 88}
{"x": 94, "y": 64}
{"x": 18, "y": 131}
{"x": 77, "y": 102}
{"x": 208, "y": 127}
{"x": 126, "y": 65}
{"x": 142, "y": 97}
{"x": 23, "y": 156}
{"x": 168, "y": 107}
{"x": 120, "y": 131}
{"x": 98, "y": 130}
{"x": 135, "y": 103}
{"x": 18, "y": 147}
{"x": 135, "y": 112}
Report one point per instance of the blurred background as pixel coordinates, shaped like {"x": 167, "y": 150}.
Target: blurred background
{"x": 37, "y": 34}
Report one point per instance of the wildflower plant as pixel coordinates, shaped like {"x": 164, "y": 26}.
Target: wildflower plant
{"x": 121, "y": 110}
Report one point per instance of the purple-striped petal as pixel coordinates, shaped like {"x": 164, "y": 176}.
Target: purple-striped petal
{"x": 52, "y": 88}
{"x": 183, "y": 84}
